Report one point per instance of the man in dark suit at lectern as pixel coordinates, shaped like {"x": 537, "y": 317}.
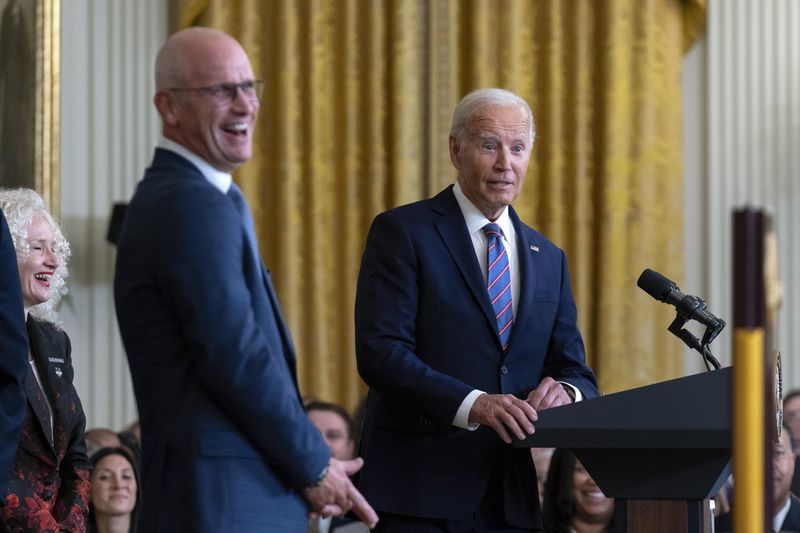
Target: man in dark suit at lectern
{"x": 465, "y": 327}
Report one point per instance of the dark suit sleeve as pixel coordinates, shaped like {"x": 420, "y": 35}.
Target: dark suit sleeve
{"x": 73, "y": 495}
{"x": 387, "y": 300}
{"x": 566, "y": 358}
{"x": 202, "y": 269}
{"x": 14, "y": 356}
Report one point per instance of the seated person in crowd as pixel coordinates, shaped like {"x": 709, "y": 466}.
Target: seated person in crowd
{"x": 336, "y": 427}
{"x": 791, "y": 415}
{"x": 131, "y": 438}
{"x": 785, "y": 505}
{"x": 791, "y": 411}
{"x": 573, "y": 503}
{"x": 98, "y": 438}
{"x": 115, "y": 499}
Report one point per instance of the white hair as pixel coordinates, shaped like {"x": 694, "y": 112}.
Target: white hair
{"x": 476, "y": 101}
{"x": 19, "y": 207}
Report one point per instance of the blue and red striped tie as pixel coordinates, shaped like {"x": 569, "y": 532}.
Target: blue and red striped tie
{"x": 499, "y": 282}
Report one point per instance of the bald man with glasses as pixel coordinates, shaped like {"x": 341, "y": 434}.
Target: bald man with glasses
{"x": 226, "y": 443}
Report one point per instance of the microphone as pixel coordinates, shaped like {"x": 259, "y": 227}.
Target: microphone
{"x": 689, "y": 307}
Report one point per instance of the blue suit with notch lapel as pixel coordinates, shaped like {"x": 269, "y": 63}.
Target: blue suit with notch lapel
{"x": 226, "y": 444}
{"x": 426, "y": 336}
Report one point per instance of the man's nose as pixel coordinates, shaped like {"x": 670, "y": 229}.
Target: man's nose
{"x": 503, "y": 159}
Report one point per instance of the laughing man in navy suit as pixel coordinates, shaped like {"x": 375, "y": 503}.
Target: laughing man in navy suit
{"x": 226, "y": 443}
{"x": 452, "y": 372}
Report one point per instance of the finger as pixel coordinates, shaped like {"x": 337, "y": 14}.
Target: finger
{"x": 528, "y": 411}
{"x": 556, "y": 397}
{"x": 516, "y": 420}
{"x": 535, "y": 399}
{"x": 525, "y": 420}
{"x": 500, "y": 429}
{"x": 351, "y": 466}
{"x": 329, "y": 509}
{"x": 361, "y": 508}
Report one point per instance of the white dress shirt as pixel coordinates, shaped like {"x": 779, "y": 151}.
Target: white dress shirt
{"x": 219, "y": 179}
{"x": 475, "y": 221}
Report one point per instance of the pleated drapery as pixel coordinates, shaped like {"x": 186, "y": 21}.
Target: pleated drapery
{"x": 355, "y": 120}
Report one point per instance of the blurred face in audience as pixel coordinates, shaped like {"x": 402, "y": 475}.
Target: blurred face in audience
{"x": 113, "y": 486}
{"x": 591, "y": 505}
{"x": 782, "y": 470}
{"x": 334, "y": 429}
{"x": 791, "y": 413}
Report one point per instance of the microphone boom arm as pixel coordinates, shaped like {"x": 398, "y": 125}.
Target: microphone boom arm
{"x": 677, "y": 329}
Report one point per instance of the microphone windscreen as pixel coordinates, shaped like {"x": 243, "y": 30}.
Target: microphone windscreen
{"x": 655, "y": 284}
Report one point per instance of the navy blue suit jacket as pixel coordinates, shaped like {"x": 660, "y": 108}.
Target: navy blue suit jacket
{"x": 426, "y": 336}
{"x": 226, "y": 444}
{"x": 792, "y": 520}
{"x": 13, "y": 356}
{"x": 791, "y": 523}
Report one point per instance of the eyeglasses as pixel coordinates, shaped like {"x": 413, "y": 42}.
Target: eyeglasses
{"x": 225, "y": 93}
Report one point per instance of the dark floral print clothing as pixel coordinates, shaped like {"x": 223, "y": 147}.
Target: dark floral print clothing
{"x": 49, "y": 486}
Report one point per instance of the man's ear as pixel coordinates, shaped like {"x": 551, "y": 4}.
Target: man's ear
{"x": 455, "y": 152}
{"x": 167, "y": 105}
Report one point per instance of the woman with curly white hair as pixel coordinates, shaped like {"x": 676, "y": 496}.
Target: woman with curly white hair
{"x": 49, "y": 486}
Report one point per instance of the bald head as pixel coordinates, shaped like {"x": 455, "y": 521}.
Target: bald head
{"x": 207, "y": 96}
{"x": 185, "y": 51}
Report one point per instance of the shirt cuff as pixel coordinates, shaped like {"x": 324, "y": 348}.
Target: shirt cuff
{"x": 461, "y": 420}
{"x": 576, "y": 390}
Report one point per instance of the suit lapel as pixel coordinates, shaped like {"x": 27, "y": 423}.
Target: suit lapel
{"x": 35, "y": 392}
{"x": 528, "y": 255}
{"x": 453, "y": 230}
{"x": 39, "y": 406}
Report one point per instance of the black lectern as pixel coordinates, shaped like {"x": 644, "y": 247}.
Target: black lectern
{"x": 660, "y": 450}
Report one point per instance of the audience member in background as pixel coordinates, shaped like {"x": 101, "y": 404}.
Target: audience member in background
{"x": 336, "y": 427}
{"x": 131, "y": 439}
{"x": 791, "y": 415}
{"x": 116, "y": 499}
{"x": 785, "y": 505}
{"x": 541, "y": 460}
{"x": 14, "y": 362}
{"x": 98, "y": 438}
{"x": 49, "y": 485}
{"x": 573, "y": 503}
{"x": 791, "y": 412}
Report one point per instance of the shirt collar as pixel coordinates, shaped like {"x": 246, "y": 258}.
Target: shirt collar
{"x": 780, "y": 516}
{"x": 217, "y": 178}
{"x": 476, "y": 220}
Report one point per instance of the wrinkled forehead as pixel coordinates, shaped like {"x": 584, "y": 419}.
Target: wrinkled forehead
{"x": 507, "y": 121}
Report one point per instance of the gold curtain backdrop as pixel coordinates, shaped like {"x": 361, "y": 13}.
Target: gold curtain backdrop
{"x": 355, "y": 120}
